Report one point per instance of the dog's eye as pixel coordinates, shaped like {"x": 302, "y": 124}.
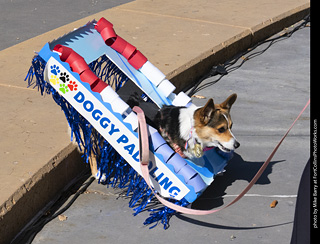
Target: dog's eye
{"x": 221, "y": 129}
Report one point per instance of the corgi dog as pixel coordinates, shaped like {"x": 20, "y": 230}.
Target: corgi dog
{"x": 192, "y": 130}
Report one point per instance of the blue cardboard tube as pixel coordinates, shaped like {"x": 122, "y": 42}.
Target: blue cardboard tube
{"x": 177, "y": 162}
{"x": 166, "y": 151}
{"x": 156, "y": 140}
{"x": 197, "y": 183}
{"x": 187, "y": 172}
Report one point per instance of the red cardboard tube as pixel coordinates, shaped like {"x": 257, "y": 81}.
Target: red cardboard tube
{"x": 89, "y": 77}
{"x": 102, "y": 24}
{"x": 105, "y": 28}
{"x": 76, "y": 62}
{"x": 79, "y": 65}
{"x": 99, "y": 86}
{"x": 119, "y": 44}
{"x": 137, "y": 59}
{"x": 130, "y": 52}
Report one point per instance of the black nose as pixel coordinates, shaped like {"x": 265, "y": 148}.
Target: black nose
{"x": 236, "y": 144}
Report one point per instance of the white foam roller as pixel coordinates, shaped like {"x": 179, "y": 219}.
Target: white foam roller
{"x": 132, "y": 119}
{"x": 119, "y": 106}
{"x": 152, "y": 73}
{"x": 172, "y": 96}
{"x": 181, "y": 99}
{"x": 108, "y": 94}
{"x": 166, "y": 87}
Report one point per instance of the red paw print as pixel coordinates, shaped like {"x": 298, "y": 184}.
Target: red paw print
{"x": 72, "y": 86}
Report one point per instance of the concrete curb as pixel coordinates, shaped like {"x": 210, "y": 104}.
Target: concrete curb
{"x": 38, "y": 191}
{"x": 188, "y": 74}
{"x": 34, "y": 195}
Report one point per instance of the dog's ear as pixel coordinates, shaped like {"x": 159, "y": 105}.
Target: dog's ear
{"x": 207, "y": 111}
{"x": 229, "y": 101}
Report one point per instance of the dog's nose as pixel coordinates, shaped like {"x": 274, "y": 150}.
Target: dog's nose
{"x": 236, "y": 144}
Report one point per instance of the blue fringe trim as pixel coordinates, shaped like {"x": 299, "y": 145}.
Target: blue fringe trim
{"x": 115, "y": 170}
{"x": 163, "y": 214}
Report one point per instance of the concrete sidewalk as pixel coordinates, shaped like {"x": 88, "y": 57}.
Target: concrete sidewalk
{"x": 183, "y": 39}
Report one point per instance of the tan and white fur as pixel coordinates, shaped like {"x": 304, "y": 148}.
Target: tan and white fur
{"x": 194, "y": 128}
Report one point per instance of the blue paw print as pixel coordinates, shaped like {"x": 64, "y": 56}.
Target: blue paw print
{"x": 55, "y": 69}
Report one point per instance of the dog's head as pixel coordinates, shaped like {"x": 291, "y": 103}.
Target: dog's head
{"x": 213, "y": 125}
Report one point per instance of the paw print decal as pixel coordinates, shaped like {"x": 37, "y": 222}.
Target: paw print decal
{"x": 72, "y": 86}
{"x": 64, "y": 77}
{"x": 64, "y": 88}
{"x": 55, "y": 69}
{"x": 54, "y": 79}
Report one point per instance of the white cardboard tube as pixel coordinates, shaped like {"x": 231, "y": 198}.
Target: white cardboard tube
{"x": 119, "y": 106}
{"x": 108, "y": 94}
{"x": 166, "y": 87}
{"x": 132, "y": 119}
{"x": 152, "y": 73}
{"x": 181, "y": 99}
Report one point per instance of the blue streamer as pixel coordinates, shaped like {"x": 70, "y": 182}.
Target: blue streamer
{"x": 163, "y": 214}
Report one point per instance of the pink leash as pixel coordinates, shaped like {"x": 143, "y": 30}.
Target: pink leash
{"x": 144, "y": 161}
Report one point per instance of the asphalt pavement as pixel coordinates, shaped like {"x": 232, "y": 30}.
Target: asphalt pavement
{"x": 272, "y": 88}
{"x": 21, "y": 20}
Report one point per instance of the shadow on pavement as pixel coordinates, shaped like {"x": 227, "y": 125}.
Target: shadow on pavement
{"x": 225, "y": 227}
{"x": 237, "y": 169}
